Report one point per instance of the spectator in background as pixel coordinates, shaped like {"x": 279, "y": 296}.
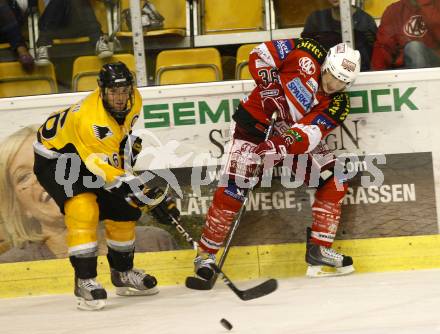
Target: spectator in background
{"x": 70, "y": 19}
{"x": 32, "y": 221}
{"x": 408, "y": 36}
{"x": 11, "y": 22}
{"x": 324, "y": 26}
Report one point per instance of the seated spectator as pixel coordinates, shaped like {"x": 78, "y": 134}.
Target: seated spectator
{"x": 11, "y": 23}
{"x": 408, "y": 36}
{"x": 324, "y": 26}
{"x": 69, "y": 19}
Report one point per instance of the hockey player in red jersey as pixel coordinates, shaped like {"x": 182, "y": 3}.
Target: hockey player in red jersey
{"x": 304, "y": 84}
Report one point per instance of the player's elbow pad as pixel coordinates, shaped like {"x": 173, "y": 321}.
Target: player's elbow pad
{"x": 302, "y": 138}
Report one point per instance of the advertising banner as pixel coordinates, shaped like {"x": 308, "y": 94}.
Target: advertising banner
{"x": 184, "y": 128}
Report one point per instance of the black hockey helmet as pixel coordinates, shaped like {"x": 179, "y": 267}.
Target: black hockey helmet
{"x": 115, "y": 75}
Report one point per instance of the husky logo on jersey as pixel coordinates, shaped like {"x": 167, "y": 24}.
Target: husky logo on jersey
{"x": 300, "y": 93}
{"x": 306, "y": 65}
{"x": 283, "y": 47}
{"x": 325, "y": 122}
{"x": 102, "y": 132}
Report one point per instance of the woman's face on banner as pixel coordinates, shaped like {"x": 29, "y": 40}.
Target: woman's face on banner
{"x": 33, "y": 199}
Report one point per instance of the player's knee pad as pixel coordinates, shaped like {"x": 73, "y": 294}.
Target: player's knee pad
{"x": 81, "y": 218}
{"x": 120, "y": 235}
{"x": 226, "y": 203}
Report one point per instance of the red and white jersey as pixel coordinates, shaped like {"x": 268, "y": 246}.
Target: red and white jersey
{"x": 296, "y": 65}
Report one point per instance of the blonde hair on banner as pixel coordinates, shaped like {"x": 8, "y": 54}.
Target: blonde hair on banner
{"x": 18, "y": 227}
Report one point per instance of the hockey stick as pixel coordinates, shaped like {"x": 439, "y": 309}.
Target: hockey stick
{"x": 258, "y": 291}
{"x": 201, "y": 284}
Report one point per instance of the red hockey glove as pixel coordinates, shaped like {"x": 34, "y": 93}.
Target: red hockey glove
{"x": 273, "y": 99}
{"x": 274, "y": 150}
{"x": 271, "y": 151}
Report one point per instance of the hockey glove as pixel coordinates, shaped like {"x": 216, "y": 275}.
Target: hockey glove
{"x": 273, "y": 99}
{"x": 135, "y": 192}
{"x": 271, "y": 152}
{"x": 165, "y": 209}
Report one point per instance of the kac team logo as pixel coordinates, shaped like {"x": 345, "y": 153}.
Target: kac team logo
{"x": 307, "y": 66}
{"x": 415, "y": 26}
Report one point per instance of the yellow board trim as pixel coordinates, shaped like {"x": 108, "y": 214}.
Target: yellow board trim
{"x": 244, "y": 263}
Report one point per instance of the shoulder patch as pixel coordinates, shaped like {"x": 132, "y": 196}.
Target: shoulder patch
{"x": 101, "y": 132}
{"x": 339, "y": 107}
{"x": 323, "y": 121}
{"x": 312, "y": 47}
{"x": 283, "y": 47}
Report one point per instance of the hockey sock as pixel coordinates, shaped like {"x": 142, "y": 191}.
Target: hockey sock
{"x": 226, "y": 203}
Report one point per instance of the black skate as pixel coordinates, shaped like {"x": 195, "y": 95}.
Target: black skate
{"x": 325, "y": 261}
{"x": 134, "y": 282}
{"x": 90, "y": 294}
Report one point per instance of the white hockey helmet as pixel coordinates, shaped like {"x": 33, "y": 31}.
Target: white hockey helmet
{"x": 343, "y": 62}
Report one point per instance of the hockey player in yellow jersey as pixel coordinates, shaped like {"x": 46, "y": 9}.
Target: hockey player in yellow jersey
{"x": 81, "y": 160}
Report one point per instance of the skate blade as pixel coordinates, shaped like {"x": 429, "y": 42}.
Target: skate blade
{"x": 90, "y": 305}
{"x": 326, "y": 271}
{"x": 129, "y": 291}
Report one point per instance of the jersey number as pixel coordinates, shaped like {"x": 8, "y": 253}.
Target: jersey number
{"x": 268, "y": 76}
{"x": 57, "y": 119}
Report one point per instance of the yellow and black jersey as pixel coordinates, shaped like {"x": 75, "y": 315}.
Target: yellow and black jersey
{"x": 88, "y": 130}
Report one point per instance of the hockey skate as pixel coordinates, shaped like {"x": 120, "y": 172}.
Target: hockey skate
{"x": 202, "y": 266}
{"x": 90, "y": 294}
{"x": 134, "y": 282}
{"x": 325, "y": 261}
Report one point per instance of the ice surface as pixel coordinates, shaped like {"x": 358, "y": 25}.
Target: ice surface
{"x": 380, "y": 303}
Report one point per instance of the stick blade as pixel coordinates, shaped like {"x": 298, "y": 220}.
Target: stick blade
{"x": 196, "y": 283}
{"x": 260, "y": 290}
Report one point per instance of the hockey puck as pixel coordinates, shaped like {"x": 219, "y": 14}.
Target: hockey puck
{"x": 226, "y": 324}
